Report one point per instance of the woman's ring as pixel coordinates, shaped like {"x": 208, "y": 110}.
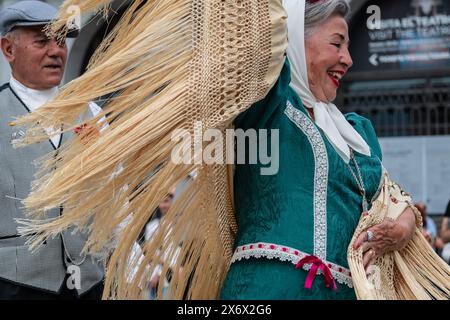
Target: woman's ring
{"x": 370, "y": 235}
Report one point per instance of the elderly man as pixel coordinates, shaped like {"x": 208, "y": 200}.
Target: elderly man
{"x": 57, "y": 270}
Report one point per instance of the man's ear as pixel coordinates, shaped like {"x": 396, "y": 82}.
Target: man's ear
{"x": 7, "y": 48}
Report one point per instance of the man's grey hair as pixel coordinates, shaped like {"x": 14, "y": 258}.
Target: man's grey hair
{"x": 12, "y": 35}
{"x": 317, "y": 13}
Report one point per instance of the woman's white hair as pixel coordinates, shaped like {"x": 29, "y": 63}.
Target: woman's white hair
{"x": 318, "y": 12}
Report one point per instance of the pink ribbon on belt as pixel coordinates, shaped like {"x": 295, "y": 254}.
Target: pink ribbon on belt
{"x": 316, "y": 264}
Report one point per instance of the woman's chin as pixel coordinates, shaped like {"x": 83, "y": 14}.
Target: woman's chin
{"x": 330, "y": 96}
{"x": 325, "y": 95}
{"x": 328, "y": 100}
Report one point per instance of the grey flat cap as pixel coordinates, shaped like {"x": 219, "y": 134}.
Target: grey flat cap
{"x": 28, "y": 13}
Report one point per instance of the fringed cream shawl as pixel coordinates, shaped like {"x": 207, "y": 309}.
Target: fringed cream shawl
{"x": 415, "y": 272}
{"x": 167, "y": 65}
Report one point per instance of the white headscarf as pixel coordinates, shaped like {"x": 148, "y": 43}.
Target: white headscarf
{"x": 327, "y": 116}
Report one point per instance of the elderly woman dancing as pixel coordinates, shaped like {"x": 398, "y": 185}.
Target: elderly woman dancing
{"x": 330, "y": 170}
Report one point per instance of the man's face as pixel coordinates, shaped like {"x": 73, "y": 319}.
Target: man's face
{"x": 165, "y": 205}
{"x": 36, "y": 61}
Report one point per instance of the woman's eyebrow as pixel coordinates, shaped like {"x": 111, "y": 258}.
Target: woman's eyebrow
{"x": 341, "y": 36}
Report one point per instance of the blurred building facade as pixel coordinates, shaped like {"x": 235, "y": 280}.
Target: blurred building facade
{"x": 400, "y": 80}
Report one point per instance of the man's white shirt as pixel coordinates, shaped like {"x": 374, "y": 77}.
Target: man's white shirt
{"x": 34, "y": 99}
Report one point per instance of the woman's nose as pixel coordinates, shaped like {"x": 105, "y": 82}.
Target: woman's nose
{"x": 346, "y": 58}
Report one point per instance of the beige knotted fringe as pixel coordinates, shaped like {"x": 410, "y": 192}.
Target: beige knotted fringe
{"x": 414, "y": 272}
{"x": 167, "y": 65}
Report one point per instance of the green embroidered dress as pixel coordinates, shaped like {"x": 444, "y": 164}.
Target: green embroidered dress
{"x": 310, "y": 207}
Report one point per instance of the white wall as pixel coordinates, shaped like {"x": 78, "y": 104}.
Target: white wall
{"x": 421, "y": 165}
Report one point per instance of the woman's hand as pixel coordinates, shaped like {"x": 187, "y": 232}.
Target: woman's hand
{"x": 387, "y": 236}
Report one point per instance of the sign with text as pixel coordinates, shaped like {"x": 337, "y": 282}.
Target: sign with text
{"x": 401, "y": 35}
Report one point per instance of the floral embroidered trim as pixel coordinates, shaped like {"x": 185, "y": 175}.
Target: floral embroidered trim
{"x": 283, "y": 253}
{"x": 320, "y": 177}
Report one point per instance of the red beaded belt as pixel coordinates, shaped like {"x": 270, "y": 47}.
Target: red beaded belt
{"x": 329, "y": 270}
